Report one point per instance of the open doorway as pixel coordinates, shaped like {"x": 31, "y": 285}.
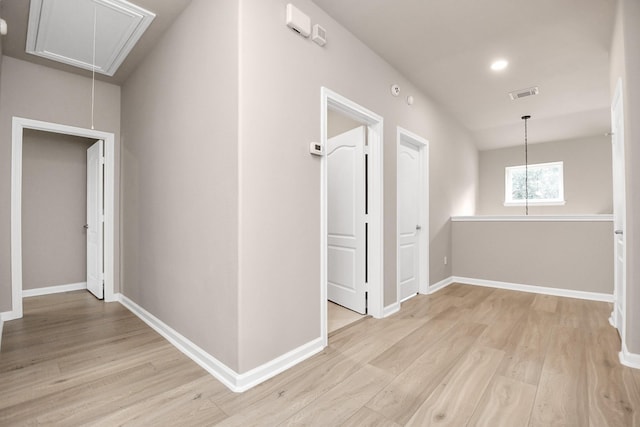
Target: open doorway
{"x": 20, "y": 126}
{"x": 352, "y": 262}
{"x": 54, "y": 208}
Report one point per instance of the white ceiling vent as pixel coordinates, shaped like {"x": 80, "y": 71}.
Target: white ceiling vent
{"x": 63, "y": 31}
{"x": 523, "y": 93}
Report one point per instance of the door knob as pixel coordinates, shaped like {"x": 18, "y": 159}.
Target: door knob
{"x": 418, "y": 227}
{"x": 86, "y": 226}
{"x": 618, "y": 232}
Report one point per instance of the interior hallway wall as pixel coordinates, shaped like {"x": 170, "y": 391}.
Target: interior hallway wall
{"x": 281, "y": 77}
{"x": 54, "y": 209}
{"x": 35, "y": 92}
{"x": 180, "y": 169}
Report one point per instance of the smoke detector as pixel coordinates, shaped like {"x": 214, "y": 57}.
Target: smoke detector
{"x": 523, "y": 93}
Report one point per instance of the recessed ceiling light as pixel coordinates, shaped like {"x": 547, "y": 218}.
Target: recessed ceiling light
{"x": 499, "y": 65}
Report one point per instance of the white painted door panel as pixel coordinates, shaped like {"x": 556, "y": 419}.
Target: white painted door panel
{"x": 346, "y": 251}
{"x": 618, "y": 315}
{"x": 409, "y": 226}
{"x": 95, "y": 223}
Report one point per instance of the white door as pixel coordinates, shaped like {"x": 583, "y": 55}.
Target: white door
{"x": 409, "y": 218}
{"x": 95, "y": 219}
{"x": 617, "y": 139}
{"x": 346, "y": 250}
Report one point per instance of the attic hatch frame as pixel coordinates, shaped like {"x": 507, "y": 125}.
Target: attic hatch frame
{"x": 43, "y": 40}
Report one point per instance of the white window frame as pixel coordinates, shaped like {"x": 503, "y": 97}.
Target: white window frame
{"x": 508, "y": 201}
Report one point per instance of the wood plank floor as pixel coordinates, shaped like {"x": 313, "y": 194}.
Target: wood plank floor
{"x": 466, "y": 356}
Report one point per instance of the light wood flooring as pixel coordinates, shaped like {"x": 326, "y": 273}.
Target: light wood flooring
{"x": 466, "y": 356}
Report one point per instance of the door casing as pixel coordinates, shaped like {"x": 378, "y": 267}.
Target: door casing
{"x": 374, "y": 122}
{"x": 403, "y": 135}
{"x": 618, "y": 316}
{"x": 18, "y": 126}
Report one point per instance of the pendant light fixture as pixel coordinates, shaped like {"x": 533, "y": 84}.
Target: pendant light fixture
{"x": 526, "y": 167}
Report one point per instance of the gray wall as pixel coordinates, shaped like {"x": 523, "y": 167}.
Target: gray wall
{"x": 180, "y": 169}
{"x": 54, "y": 209}
{"x": 625, "y": 64}
{"x": 566, "y": 255}
{"x": 587, "y": 176}
{"x": 281, "y": 76}
{"x": 40, "y": 93}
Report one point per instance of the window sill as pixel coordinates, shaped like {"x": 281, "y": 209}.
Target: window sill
{"x": 537, "y": 203}
{"x": 534, "y": 218}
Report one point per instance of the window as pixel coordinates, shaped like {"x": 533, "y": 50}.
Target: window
{"x": 545, "y": 184}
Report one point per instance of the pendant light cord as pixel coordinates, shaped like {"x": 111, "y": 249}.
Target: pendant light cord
{"x": 526, "y": 167}
{"x": 93, "y": 66}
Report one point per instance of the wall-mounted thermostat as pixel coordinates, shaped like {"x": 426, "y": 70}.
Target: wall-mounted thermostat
{"x": 316, "y": 148}
{"x": 298, "y": 21}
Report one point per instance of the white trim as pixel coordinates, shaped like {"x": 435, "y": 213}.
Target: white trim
{"x": 8, "y": 315}
{"x": 570, "y": 293}
{"x": 439, "y": 285}
{"x": 48, "y": 290}
{"x": 423, "y": 146}
{"x": 627, "y": 358}
{"x": 1, "y": 327}
{"x": 393, "y": 308}
{"x": 534, "y": 218}
{"x": 234, "y": 381}
{"x": 537, "y": 203}
{"x": 619, "y": 312}
{"x": 374, "y": 122}
{"x": 18, "y": 126}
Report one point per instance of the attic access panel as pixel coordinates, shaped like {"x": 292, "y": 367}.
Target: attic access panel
{"x": 63, "y": 31}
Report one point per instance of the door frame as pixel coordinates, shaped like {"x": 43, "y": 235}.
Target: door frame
{"x": 403, "y": 135}
{"x": 375, "y": 250}
{"x": 618, "y": 315}
{"x": 19, "y": 124}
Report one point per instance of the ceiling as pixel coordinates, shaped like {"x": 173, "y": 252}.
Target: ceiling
{"x": 446, "y": 48}
{"x": 16, "y": 13}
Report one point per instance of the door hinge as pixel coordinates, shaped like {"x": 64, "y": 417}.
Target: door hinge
{"x": 102, "y": 160}
{"x": 366, "y": 149}
{"x": 101, "y": 218}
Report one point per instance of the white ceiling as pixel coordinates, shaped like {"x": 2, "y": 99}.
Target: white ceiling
{"x": 446, "y": 47}
{"x": 16, "y": 13}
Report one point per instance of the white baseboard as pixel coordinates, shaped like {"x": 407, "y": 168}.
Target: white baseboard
{"x": 54, "y": 289}
{"x": 234, "y": 381}
{"x": 8, "y": 315}
{"x": 439, "y": 285}
{"x": 570, "y": 293}
{"x": 629, "y": 359}
{"x": 391, "y": 309}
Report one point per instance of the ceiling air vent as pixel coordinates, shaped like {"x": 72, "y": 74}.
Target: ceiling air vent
{"x": 523, "y": 93}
